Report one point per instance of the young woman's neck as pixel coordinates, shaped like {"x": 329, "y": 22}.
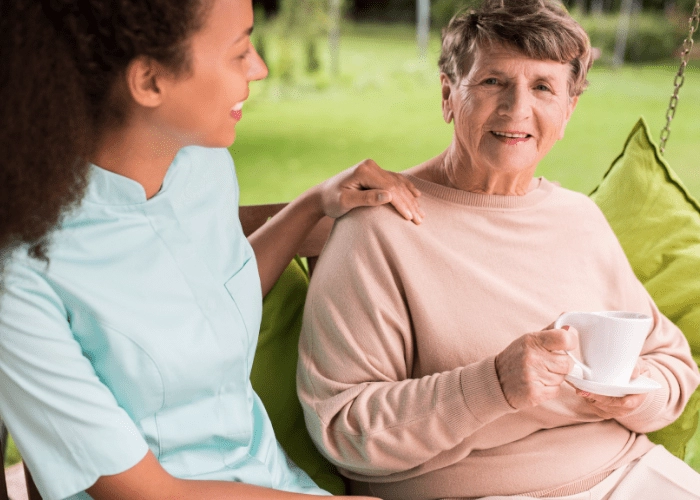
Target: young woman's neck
{"x": 138, "y": 151}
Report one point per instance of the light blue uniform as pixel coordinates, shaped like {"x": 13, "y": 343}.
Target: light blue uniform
{"x": 141, "y": 334}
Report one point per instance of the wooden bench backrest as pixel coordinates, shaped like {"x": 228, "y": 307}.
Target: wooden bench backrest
{"x": 252, "y": 217}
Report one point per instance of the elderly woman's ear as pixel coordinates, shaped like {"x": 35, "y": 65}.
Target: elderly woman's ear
{"x": 570, "y": 109}
{"x": 446, "y": 93}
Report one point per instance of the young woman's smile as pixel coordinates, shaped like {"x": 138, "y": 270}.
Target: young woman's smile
{"x": 204, "y": 107}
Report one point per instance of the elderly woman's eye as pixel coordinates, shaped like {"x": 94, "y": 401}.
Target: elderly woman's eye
{"x": 490, "y": 81}
{"x": 541, "y": 86}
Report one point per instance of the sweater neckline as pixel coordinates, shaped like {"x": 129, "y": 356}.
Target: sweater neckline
{"x": 488, "y": 201}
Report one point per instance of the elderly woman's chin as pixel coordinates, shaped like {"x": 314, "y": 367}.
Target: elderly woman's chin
{"x": 518, "y": 157}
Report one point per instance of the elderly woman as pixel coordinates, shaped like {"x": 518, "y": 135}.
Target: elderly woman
{"x": 427, "y": 369}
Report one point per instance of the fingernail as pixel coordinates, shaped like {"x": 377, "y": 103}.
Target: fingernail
{"x": 381, "y": 197}
{"x": 565, "y": 327}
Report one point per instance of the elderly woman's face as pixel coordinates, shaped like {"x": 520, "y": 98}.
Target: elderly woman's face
{"x": 508, "y": 110}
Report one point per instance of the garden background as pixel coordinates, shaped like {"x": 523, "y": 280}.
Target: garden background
{"x": 358, "y": 79}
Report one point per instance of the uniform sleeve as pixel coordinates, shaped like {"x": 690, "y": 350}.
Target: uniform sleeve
{"x": 67, "y": 425}
{"x": 362, "y": 408}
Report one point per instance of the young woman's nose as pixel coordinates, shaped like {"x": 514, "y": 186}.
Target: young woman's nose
{"x": 258, "y": 69}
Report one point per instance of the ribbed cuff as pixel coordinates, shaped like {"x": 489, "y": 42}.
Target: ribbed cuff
{"x": 482, "y": 391}
{"x": 655, "y": 402}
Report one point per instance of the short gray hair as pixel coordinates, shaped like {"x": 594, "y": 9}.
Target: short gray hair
{"x": 539, "y": 29}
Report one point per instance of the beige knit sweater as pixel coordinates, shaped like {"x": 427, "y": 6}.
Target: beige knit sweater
{"x": 402, "y": 324}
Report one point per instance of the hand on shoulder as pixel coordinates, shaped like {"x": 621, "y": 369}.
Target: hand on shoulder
{"x": 366, "y": 184}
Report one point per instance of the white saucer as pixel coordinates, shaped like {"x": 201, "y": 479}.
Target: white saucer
{"x": 639, "y": 385}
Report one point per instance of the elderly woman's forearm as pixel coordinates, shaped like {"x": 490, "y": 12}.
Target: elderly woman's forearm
{"x": 370, "y": 428}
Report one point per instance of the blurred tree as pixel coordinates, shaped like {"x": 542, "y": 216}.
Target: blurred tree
{"x": 305, "y": 19}
{"x": 334, "y": 35}
{"x": 442, "y": 10}
{"x": 627, "y": 8}
{"x": 422, "y": 27}
{"x": 270, "y": 6}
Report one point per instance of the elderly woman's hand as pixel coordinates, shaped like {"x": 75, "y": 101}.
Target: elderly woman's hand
{"x": 609, "y": 407}
{"x": 366, "y": 184}
{"x": 532, "y": 368}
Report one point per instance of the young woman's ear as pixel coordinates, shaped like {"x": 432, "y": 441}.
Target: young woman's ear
{"x": 142, "y": 79}
{"x": 446, "y": 93}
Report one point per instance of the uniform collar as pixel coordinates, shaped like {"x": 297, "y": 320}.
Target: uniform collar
{"x": 108, "y": 188}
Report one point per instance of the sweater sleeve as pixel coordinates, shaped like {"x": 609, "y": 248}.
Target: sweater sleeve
{"x": 364, "y": 410}
{"x": 666, "y": 354}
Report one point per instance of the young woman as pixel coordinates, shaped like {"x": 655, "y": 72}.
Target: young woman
{"x": 126, "y": 340}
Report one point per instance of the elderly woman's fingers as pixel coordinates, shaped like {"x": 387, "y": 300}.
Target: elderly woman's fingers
{"x": 529, "y": 372}
{"x": 561, "y": 339}
{"x": 612, "y": 407}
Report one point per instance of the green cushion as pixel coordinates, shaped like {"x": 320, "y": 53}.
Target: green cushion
{"x": 274, "y": 375}
{"x": 658, "y": 224}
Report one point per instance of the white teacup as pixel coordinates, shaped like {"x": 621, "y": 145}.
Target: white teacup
{"x": 610, "y": 342}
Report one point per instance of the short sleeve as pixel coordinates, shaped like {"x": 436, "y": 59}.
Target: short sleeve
{"x": 66, "y": 423}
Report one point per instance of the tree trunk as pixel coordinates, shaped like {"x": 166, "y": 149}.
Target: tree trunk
{"x": 581, "y": 6}
{"x": 334, "y": 35}
{"x": 669, "y": 7}
{"x": 623, "y": 28}
{"x": 422, "y": 27}
{"x": 597, "y": 7}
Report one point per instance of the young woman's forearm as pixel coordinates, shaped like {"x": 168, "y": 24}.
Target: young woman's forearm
{"x": 147, "y": 480}
{"x": 279, "y": 239}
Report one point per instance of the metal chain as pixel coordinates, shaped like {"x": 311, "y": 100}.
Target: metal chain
{"x": 680, "y": 76}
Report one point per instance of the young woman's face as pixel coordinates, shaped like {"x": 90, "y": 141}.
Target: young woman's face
{"x": 203, "y": 108}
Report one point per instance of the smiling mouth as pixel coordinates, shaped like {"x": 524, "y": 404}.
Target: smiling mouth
{"x": 237, "y": 111}
{"x": 511, "y": 138}
{"x": 511, "y": 135}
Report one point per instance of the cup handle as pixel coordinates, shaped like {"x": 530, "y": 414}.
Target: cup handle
{"x": 561, "y": 321}
{"x": 586, "y": 371}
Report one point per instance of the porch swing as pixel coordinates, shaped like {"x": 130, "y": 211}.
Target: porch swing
{"x": 658, "y": 225}
{"x": 655, "y": 218}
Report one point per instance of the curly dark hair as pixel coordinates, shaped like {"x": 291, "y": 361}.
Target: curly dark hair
{"x": 539, "y": 29}
{"x": 61, "y": 60}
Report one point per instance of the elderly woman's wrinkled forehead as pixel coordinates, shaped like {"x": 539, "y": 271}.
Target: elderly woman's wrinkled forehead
{"x": 538, "y": 29}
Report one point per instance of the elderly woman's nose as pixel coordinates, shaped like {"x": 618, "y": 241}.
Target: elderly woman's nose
{"x": 516, "y": 101}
